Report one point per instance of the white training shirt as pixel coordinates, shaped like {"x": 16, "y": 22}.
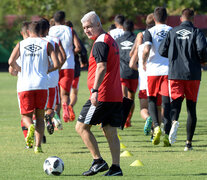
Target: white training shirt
{"x": 64, "y": 33}
{"x": 53, "y": 77}
{"x": 156, "y": 64}
{"x": 116, "y": 33}
{"x": 142, "y": 72}
{"x": 34, "y": 65}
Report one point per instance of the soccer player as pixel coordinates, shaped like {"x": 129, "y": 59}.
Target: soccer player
{"x": 32, "y": 81}
{"x": 135, "y": 62}
{"x": 74, "y": 88}
{"x": 105, "y": 103}
{"x": 185, "y": 46}
{"x": 118, "y": 31}
{"x": 157, "y": 71}
{"x": 129, "y": 77}
{"x": 64, "y": 33}
{"x": 53, "y": 76}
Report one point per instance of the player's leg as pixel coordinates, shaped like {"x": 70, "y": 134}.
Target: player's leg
{"x": 41, "y": 98}
{"x": 73, "y": 97}
{"x": 87, "y": 117}
{"x": 191, "y": 101}
{"x": 50, "y": 110}
{"x": 66, "y": 78}
{"x": 114, "y": 145}
{"x": 39, "y": 129}
{"x": 176, "y": 92}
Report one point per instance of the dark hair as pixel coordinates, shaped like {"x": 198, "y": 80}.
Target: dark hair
{"x": 25, "y": 26}
{"x": 188, "y": 13}
{"x": 128, "y": 25}
{"x": 160, "y": 14}
{"x": 150, "y": 21}
{"x": 59, "y": 16}
{"x": 34, "y": 27}
{"x": 69, "y": 23}
{"x": 44, "y": 25}
{"x": 112, "y": 26}
{"x": 119, "y": 19}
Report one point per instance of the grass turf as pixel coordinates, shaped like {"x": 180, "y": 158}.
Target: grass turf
{"x": 159, "y": 162}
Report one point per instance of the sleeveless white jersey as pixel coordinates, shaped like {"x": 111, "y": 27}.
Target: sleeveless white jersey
{"x": 53, "y": 77}
{"x": 142, "y": 72}
{"x": 64, "y": 33}
{"x": 34, "y": 65}
{"x": 156, "y": 64}
{"x": 116, "y": 33}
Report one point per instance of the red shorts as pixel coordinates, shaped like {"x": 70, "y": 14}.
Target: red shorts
{"x": 75, "y": 82}
{"x": 184, "y": 88}
{"x": 57, "y": 95}
{"x": 157, "y": 85}
{"x": 30, "y": 100}
{"x": 143, "y": 95}
{"x": 52, "y": 98}
{"x": 131, "y": 84}
{"x": 66, "y": 77}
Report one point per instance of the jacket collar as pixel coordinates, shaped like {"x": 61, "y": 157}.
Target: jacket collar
{"x": 188, "y": 23}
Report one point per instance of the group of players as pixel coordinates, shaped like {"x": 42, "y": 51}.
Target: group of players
{"x": 169, "y": 61}
{"x": 44, "y": 62}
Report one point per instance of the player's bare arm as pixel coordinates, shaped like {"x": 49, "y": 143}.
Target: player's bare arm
{"x": 134, "y": 58}
{"x": 14, "y": 56}
{"x": 145, "y": 55}
{"x": 62, "y": 52}
{"x": 59, "y": 54}
{"x": 52, "y": 54}
{"x": 100, "y": 73}
{"x": 76, "y": 43}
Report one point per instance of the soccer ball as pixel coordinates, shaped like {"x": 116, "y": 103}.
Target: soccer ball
{"x": 53, "y": 166}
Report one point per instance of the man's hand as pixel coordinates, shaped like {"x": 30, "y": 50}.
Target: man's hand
{"x": 94, "y": 98}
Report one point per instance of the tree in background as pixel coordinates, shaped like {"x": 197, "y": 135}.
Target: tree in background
{"x": 75, "y": 9}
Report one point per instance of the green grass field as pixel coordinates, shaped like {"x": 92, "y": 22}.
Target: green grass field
{"x": 159, "y": 162}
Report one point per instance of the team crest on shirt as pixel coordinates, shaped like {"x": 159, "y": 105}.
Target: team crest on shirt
{"x": 183, "y": 34}
{"x": 161, "y": 35}
{"x": 126, "y": 45}
{"x": 32, "y": 48}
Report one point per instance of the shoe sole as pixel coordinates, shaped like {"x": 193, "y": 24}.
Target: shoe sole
{"x": 30, "y": 136}
{"x": 156, "y": 139}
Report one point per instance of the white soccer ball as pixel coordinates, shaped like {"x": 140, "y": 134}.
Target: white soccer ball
{"x": 53, "y": 166}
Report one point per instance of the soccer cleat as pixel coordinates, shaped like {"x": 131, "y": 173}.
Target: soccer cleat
{"x": 188, "y": 147}
{"x": 147, "y": 126}
{"x": 72, "y": 114}
{"x": 95, "y": 168}
{"x": 49, "y": 124}
{"x": 27, "y": 147}
{"x": 57, "y": 122}
{"x": 173, "y": 132}
{"x": 156, "y": 135}
{"x": 38, "y": 150}
{"x": 166, "y": 141}
{"x": 112, "y": 172}
{"x": 30, "y": 136}
{"x": 66, "y": 114}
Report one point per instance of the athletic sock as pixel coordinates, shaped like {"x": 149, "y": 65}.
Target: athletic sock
{"x": 98, "y": 161}
{"x": 24, "y": 129}
{"x": 115, "y": 167}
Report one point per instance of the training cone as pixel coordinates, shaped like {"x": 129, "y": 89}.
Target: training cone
{"x": 126, "y": 154}
{"x": 137, "y": 163}
{"x": 119, "y": 137}
{"x": 122, "y": 146}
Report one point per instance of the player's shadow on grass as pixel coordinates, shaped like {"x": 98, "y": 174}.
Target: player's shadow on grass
{"x": 72, "y": 175}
